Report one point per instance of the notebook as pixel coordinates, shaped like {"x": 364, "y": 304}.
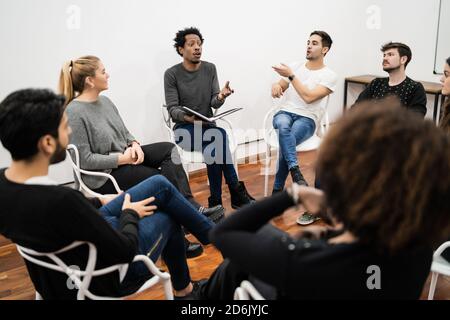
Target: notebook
{"x": 214, "y": 118}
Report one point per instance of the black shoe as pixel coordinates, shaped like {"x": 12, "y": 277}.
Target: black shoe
{"x": 297, "y": 176}
{"x": 213, "y": 202}
{"x": 192, "y": 249}
{"x": 215, "y": 214}
{"x": 275, "y": 191}
{"x": 196, "y": 293}
{"x": 240, "y": 196}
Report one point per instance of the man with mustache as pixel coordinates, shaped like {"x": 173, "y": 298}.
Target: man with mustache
{"x": 396, "y": 57}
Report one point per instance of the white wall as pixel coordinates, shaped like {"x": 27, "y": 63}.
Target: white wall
{"x": 243, "y": 39}
{"x": 443, "y": 43}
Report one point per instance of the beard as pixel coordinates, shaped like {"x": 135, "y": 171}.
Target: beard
{"x": 391, "y": 69}
{"x": 59, "y": 155}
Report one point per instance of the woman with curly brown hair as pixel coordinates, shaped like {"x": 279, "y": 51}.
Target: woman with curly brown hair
{"x": 385, "y": 175}
{"x": 445, "y": 120}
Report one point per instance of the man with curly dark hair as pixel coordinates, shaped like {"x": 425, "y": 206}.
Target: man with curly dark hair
{"x": 194, "y": 84}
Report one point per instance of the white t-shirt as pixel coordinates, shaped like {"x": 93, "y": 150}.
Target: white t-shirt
{"x": 293, "y": 103}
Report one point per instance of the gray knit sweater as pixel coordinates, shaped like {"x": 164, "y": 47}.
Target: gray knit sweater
{"x": 197, "y": 90}
{"x": 99, "y": 134}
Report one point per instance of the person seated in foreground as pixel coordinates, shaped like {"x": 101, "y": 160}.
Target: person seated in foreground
{"x": 38, "y": 214}
{"x": 385, "y": 176}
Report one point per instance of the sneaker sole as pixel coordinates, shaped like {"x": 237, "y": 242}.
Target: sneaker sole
{"x": 301, "y": 223}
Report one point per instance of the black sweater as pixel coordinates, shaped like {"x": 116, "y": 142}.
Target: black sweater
{"x": 411, "y": 93}
{"x": 315, "y": 269}
{"x": 49, "y": 218}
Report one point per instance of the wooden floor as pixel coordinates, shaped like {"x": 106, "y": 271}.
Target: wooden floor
{"x": 15, "y": 283}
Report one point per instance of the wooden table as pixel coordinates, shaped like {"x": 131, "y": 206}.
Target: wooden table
{"x": 431, "y": 88}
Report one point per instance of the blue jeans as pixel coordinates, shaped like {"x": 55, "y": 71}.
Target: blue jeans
{"x": 161, "y": 233}
{"x": 213, "y": 142}
{"x": 292, "y": 130}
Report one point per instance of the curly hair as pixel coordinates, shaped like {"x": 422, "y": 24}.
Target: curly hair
{"x": 180, "y": 37}
{"x": 445, "y": 120}
{"x": 386, "y": 175}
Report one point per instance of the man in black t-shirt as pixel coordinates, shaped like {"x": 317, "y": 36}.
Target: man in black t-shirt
{"x": 396, "y": 57}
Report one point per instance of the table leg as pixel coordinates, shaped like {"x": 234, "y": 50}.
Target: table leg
{"x": 345, "y": 95}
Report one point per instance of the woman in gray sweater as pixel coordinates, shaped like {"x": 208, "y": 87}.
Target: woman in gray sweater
{"x": 106, "y": 145}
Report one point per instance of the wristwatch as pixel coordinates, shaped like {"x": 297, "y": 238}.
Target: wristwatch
{"x": 291, "y": 78}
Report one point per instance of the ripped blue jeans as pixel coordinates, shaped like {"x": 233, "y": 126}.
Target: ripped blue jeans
{"x": 161, "y": 233}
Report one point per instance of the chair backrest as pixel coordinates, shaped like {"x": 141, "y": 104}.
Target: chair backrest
{"x": 74, "y": 156}
{"x": 82, "y": 278}
{"x": 247, "y": 291}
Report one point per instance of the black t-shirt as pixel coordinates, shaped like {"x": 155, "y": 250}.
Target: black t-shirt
{"x": 315, "y": 269}
{"x": 49, "y": 218}
{"x": 411, "y": 93}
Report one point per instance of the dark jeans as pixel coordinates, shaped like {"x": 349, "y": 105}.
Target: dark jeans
{"x": 213, "y": 142}
{"x": 160, "y": 158}
{"x": 161, "y": 233}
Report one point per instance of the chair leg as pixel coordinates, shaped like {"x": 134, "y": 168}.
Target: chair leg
{"x": 236, "y": 166}
{"x": 266, "y": 172}
{"x": 434, "y": 279}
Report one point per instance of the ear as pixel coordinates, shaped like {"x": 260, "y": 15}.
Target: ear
{"x": 325, "y": 50}
{"x": 89, "y": 83}
{"x": 403, "y": 59}
{"x": 47, "y": 145}
{"x": 181, "y": 50}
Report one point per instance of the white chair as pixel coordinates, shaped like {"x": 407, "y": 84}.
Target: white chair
{"x": 196, "y": 157}
{"x": 78, "y": 171}
{"x": 271, "y": 138}
{"x": 246, "y": 291}
{"x": 439, "y": 266}
{"x": 82, "y": 278}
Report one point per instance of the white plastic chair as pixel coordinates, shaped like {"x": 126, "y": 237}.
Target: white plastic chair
{"x": 193, "y": 157}
{"x": 247, "y": 291}
{"x": 439, "y": 266}
{"x": 82, "y": 278}
{"x": 271, "y": 138}
{"x": 78, "y": 171}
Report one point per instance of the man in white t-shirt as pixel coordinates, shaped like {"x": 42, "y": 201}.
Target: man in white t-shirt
{"x": 306, "y": 87}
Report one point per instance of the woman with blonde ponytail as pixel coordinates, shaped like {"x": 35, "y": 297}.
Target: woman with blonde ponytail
{"x": 106, "y": 145}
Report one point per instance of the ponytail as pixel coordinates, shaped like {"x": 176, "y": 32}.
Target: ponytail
{"x": 65, "y": 82}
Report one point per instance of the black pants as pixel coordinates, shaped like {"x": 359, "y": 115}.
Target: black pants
{"x": 229, "y": 275}
{"x": 159, "y": 158}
